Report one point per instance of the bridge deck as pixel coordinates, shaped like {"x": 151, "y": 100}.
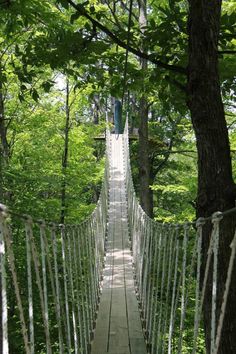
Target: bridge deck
{"x": 118, "y": 328}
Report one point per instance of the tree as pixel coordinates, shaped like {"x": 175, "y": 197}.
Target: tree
{"x": 144, "y": 163}
{"x": 65, "y": 154}
{"x": 216, "y": 189}
{"x": 4, "y": 147}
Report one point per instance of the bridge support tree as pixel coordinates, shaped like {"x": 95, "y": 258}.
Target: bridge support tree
{"x": 146, "y": 195}
{"x": 4, "y": 157}
{"x": 65, "y": 154}
{"x": 4, "y": 146}
{"x": 216, "y": 189}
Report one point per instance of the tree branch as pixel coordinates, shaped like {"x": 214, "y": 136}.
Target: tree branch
{"x": 150, "y": 57}
{"x": 230, "y": 105}
{"x": 126, "y": 8}
{"x": 178, "y": 84}
{"x": 114, "y": 16}
{"x": 163, "y": 152}
{"x": 226, "y": 51}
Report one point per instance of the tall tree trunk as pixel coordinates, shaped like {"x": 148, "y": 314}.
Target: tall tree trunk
{"x": 65, "y": 155}
{"x": 4, "y": 155}
{"x": 146, "y": 200}
{"x": 96, "y": 108}
{"x": 216, "y": 190}
{"x": 4, "y": 148}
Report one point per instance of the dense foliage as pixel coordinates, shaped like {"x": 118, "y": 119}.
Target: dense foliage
{"x": 86, "y": 42}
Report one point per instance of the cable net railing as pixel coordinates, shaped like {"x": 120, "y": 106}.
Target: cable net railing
{"x": 50, "y": 280}
{"x": 168, "y": 264}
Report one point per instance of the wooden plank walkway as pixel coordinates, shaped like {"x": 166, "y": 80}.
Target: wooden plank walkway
{"x": 118, "y": 328}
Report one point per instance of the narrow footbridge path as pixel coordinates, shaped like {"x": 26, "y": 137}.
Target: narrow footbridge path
{"x": 118, "y": 329}
{"x": 73, "y": 288}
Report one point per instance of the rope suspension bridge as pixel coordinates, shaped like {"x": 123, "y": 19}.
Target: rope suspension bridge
{"x": 117, "y": 283}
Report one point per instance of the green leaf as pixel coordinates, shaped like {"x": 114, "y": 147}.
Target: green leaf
{"x": 23, "y": 87}
{"x": 92, "y": 9}
{"x": 152, "y": 23}
{"x": 47, "y": 86}
{"x": 74, "y": 17}
{"x": 78, "y": 85}
{"x": 17, "y": 50}
{"x": 21, "y": 97}
{"x": 35, "y": 95}
{"x": 98, "y": 16}
{"x": 3, "y": 77}
{"x": 64, "y": 4}
{"x": 87, "y": 26}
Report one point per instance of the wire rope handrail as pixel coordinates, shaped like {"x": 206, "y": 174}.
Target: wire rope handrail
{"x": 169, "y": 270}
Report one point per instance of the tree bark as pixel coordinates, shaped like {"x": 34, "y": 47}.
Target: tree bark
{"x": 65, "y": 156}
{"x": 4, "y": 147}
{"x": 3, "y": 129}
{"x": 216, "y": 189}
{"x": 96, "y": 108}
{"x": 4, "y": 155}
{"x": 146, "y": 199}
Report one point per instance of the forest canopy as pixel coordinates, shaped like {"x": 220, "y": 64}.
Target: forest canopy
{"x": 47, "y": 47}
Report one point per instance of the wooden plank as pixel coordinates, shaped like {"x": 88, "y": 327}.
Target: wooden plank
{"x": 138, "y": 346}
{"x": 119, "y": 338}
{"x": 101, "y": 335}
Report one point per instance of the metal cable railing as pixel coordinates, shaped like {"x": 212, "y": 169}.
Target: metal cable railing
{"x": 168, "y": 263}
{"x": 50, "y": 280}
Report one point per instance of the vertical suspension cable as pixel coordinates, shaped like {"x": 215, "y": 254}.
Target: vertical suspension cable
{"x": 171, "y": 232}
{"x": 153, "y": 299}
{"x": 156, "y": 288}
{"x": 57, "y": 287}
{"x": 45, "y": 290}
{"x": 93, "y": 265}
{"x": 83, "y": 289}
{"x": 53, "y": 287}
{"x": 142, "y": 263}
{"x": 147, "y": 267}
{"x": 85, "y": 279}
{"x": 200, "y": 222}
{"x": 149, "y": 275}
{"x": 12, "y": 263}
{"x": 152, "y": 277}
{"x": 40, "y": 289}
{"x": 79, "y": 304}
{"x": 215, "y": 234}
{"x": 163, "y": 271}
{"x": 183, "y": 287}
{"x": 225, "y": 296}
{"x": 90, "y": 278}
{"x": 171, "y": 327}
{"x": 68, "y": 232}
{"x": 65, "y": 280}
{"x": 30, "y": 287}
